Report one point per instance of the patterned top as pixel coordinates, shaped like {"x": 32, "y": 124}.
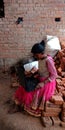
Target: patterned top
{"x": 47, "y": 68}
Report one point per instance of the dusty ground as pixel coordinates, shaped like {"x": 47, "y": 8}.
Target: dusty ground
{"x": 18, "y": 121}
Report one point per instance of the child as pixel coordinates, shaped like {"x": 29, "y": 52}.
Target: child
{"x": 33, "y": 101}
{"x": 47, "y": 76}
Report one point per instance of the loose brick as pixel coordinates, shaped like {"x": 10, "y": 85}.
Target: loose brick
{"x": 56, "y": 121}
{"x": 48, "y": 114}
{"x": 57, "y": 99}
{"x": 46, "y": 121}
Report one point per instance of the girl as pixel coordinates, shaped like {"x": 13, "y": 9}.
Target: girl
{"x": 34, "y": 101}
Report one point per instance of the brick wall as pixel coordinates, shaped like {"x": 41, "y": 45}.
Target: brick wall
{"x": 39, "y": 19}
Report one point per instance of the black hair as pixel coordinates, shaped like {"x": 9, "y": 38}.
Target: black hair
{"x": 38, "y": 47}
{"x": 43, "y": 43}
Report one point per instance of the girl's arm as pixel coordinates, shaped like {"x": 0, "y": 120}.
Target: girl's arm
{"x": 51, "y": 69}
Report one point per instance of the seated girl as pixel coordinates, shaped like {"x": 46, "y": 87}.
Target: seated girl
{"x": 34, "y": 101}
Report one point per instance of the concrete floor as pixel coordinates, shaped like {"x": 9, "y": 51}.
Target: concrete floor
{"x": 18, "y": 121}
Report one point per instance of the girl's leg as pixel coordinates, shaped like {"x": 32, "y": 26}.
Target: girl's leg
{"x": 43, "y": 104}
{"x": 35, "y": 101}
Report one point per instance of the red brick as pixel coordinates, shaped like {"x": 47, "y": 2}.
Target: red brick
{"x": 57, "y": 99}
{"x": 62, "y": 44}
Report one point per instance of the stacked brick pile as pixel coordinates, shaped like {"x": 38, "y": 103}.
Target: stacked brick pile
{"x": 60, "y": 65}
{"x": 53, "y": 108}
{"x": 61, "y": 79}
{"x": 51, "y": 115}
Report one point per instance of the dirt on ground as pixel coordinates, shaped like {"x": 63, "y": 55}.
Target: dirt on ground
{"x": 19, "y": 120}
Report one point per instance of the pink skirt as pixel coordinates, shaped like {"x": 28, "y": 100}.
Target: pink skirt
{"x": 26, "y": 98}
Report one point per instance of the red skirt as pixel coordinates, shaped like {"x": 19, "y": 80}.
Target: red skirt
{"x": 26, "y": 98}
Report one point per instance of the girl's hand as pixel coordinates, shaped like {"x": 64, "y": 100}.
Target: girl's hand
{"x": 33, "y": 70}
{"x": 40, "y": 85}
{"x": 27, "y": 72}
